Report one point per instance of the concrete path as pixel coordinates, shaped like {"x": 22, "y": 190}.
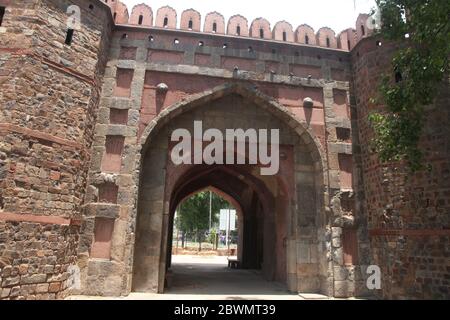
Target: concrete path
{"x": 208, "y": 278}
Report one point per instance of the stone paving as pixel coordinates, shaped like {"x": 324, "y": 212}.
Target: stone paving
{"x": 208, "y": 278}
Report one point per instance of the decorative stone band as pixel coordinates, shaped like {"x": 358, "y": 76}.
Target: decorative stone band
{"x": 16, "y": 51}
{"x": 8, "y": 127}
{"x": 59, "y": 67}
{"x": 52, "y": 64}
{"x": 26, "y": 217}
{"x": 409, "y": 232}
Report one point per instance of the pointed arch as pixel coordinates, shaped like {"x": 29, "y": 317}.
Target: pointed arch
{"x": 260, "y": 99}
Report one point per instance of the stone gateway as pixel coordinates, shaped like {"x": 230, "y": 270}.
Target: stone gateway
{"x": 90, "y": 95}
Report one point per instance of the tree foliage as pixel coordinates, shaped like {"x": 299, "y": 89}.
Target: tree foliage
{"x": 193, "y": 213}
{"x": 422, "y": 28}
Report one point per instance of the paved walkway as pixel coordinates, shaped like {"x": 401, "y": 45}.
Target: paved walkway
{"x": 208, "y": 278}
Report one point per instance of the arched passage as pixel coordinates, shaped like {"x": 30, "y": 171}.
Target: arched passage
{"x": 290, "y": 203}
{"x": 233, "y": 202}
{"x": 256, "y": 210}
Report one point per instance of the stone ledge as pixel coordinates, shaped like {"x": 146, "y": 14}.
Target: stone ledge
{"x": 8, "y": 127}
{"x": 27, "y": 217}
{"x": 103, "y": 210}
{"x": 345, "y": 148}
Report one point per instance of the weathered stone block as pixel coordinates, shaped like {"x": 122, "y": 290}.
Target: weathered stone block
{"x": 11, "y": 281}
{"x": 54, "y": 287}
{"x": 42, "y": 287}
{"x": 34, "y": 278}
{"x": 303, "y": 253}
{"x": 103, "y": 210}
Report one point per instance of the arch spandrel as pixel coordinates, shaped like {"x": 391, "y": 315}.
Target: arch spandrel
{"x": 248, "y": 92}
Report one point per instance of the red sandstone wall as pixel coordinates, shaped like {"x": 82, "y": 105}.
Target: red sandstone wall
{"x": 182, "y": 86}
{"x": 238, "y": 25}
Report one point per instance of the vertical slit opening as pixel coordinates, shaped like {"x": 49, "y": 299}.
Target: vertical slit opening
{"x": 2, "y": 14}
{"x": 69, "y": 37}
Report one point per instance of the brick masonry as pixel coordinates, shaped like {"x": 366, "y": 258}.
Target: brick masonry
{"x": 84, "y": 127}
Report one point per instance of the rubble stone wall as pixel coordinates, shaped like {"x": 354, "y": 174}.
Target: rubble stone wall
{"x": 49, "y": 93}
{"x": 408, "y": 215}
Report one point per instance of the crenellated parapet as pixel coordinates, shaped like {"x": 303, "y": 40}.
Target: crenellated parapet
{"x": 305, "y": 35}
{"x": 237, "y": 25}
{"x": 142, "y": 14}
{"x": 190, "y": 20}
{"x": 260, "y": 28}
{"x": 283, "y": 31}
{"x": 326, "y": 37}
{"x": 214, "y": 23}
{"x": 166, "y": 17}
{"x": 363, "y": 27}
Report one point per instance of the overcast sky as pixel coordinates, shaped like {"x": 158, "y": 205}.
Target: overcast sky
{"x": 336, "y": 14}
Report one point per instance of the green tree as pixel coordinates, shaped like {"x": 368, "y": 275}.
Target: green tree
{"x": 422, "y": 29}
{"x": 193, "y": 214}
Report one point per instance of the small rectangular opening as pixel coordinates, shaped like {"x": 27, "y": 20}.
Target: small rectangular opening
{"x": 127, "y": 53}
{"x": 346, "y": 170}
{"x": 350, "y": 246}
{"x": 2, "y": 14}
{"x": 343, "y": 134}
{"x": 112, "y": 159}
{"x": 101, "y": 247}
{"x": 108, "y": 192}
{"x": 347, "y": 203}
{"x": 123, "y": 84}
{"x": 69, "y": 37}
{"x": 118, "y": 116}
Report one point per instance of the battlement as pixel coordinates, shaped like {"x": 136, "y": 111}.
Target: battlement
{"x": 260, "y": 28}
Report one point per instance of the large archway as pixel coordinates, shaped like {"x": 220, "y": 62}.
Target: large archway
{"x": 255, "y": 207}
{"x": 287, "y": 208}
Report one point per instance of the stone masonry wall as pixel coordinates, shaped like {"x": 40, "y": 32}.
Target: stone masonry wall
{"x": 49, "y": 93}
{"x": 408, "y": 215}
{"x": 70, "y": 104}
{"x": 149, "y": 71}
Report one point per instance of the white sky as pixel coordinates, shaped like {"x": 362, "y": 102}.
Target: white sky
{"x": 336, "y": 14}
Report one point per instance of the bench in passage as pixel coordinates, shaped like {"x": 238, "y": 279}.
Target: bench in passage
{"x": 233, "y": 263}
